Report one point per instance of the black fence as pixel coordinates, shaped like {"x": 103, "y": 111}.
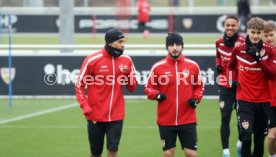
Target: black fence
{"x": 157, "y": 24}
{"x": 56, "y": 75}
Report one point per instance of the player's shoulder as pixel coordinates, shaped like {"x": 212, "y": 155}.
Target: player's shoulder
{"x": 159, "y": 63}
{"x": 241, "y": 38}
{"x": 220, "y": 41}
{"x": 191, "y": 62}
{"x": 268, "y": 46}
{"x": 240, "y": 46}
{"x": 94, "y": 55}
{"x": 126, "y": 57}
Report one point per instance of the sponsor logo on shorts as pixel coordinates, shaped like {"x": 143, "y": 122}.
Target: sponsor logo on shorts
{"x": 163, "y": 143}
{"x": 245, "y": 125}
{"x": 221, "y": 104}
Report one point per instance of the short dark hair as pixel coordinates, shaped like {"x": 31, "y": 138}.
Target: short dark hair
{"x": 174, "y": 37}
{"x": 232, "y": 17}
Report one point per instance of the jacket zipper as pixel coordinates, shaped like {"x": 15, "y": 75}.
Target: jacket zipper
{"x": 176, "y": 76}
{"x": 112, "y": 92}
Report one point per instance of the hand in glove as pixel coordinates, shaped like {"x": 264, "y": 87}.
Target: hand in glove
{"x": 235, "y": 84}
{"x": 86, "y": 110}
{"x": 160, "y": 97}
{"x": 192, "y": 102}
{"x": 219, "y": 69}
{"x": 254, "y": 52}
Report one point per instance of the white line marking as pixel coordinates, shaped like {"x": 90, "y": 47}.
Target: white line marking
{"x": 38, "y": 113}
{"x": 81, "y": 127}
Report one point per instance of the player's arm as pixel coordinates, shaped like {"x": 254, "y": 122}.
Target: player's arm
{"x": 198, "y": 87}
{"x": 80, "y": 88}
{"x": 150, "y": 87}
{"x": 132, "y": 80}
{"x": 233, "y": 60}
{"x": 269, "y": 66}
{"x": 218, "y": 60}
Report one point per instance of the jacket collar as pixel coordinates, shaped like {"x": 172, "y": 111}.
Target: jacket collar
{"x": 169, "y": 59}
{"x": 105, "y": 53}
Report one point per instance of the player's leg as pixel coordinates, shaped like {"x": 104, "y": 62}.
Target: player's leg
{"x": 271, "y": 141}
{"x": 226, "y": 107}
{"x": 271, "y": 138}
{"x": 188, "y": 138}
{"x": 246, "y": 113}
{"x": 260, "y": 128}
{"x": 168, "y": 136}
{"x": 113, "y": 136}
{"x": 96, "y": 133}
{"x": 239, "y": 143}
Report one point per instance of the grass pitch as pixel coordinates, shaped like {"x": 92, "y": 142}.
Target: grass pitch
{"x": 63, "y": 133}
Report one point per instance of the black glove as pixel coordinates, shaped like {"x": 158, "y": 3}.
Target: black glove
{"x": 193, "y": 102}
{"x": 254, "y": 52}
{"x": 235, "y": 84}
{"x": 160, "y": 97}
{"x": 219, "y": 69}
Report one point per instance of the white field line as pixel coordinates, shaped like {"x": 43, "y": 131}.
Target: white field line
{"x": 38, "y": 113}
{"x": 81, "y": 127}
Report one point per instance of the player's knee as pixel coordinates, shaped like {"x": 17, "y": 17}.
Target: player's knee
{"x": 96, "y": 152}
{"x": 169, "y": 153}
{"x": 191, "y": 154}
{"x": 93, "y": 155}
{"x": 113, "y": 150}
{"x": 271, "y": 137}
{"x": 225, "y": 117}
{"x": 113, "y": 147}
{"x": 246, "y": 138}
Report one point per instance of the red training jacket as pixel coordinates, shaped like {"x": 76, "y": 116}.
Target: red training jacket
{"x": 180, "y": 81}
{"x": 253, "y": 76}
{"x": 143, "y": 8}
{"x": 273, "y": 83}
{"x": 104, "y": 75}
{"x": 223, "y": 56}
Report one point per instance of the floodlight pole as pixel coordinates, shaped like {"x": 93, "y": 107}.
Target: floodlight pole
{"x": 170, "y": 29}
{"x": 10, "y": 62}
{"x": 66, "y": 23}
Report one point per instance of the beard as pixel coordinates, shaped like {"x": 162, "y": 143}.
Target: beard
{"x": 175, "y": 55}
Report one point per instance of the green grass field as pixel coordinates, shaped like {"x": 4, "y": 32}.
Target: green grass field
{"x": 63, "y": 133}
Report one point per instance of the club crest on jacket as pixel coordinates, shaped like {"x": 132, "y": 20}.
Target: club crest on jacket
{"x": 123, "y": 68}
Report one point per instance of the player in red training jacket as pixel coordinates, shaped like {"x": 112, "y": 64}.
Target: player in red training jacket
{"x": 253, "y": 60}
{"x": 227, "y": 77}
{"x": 104, "y": 73}
{"x": 143, "y": 8}
{"x": 269, "y": 36}
{"x": 176, "y": 84}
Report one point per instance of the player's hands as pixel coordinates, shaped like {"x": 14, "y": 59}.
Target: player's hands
{"x": 254, "y": 52}
{"x": 193, "y": 102}
{"x": 86, "y": 110}
{"x": 219, "y": 69}
{"x": 235, "y": 84}
{"x": 160, "y": 97}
